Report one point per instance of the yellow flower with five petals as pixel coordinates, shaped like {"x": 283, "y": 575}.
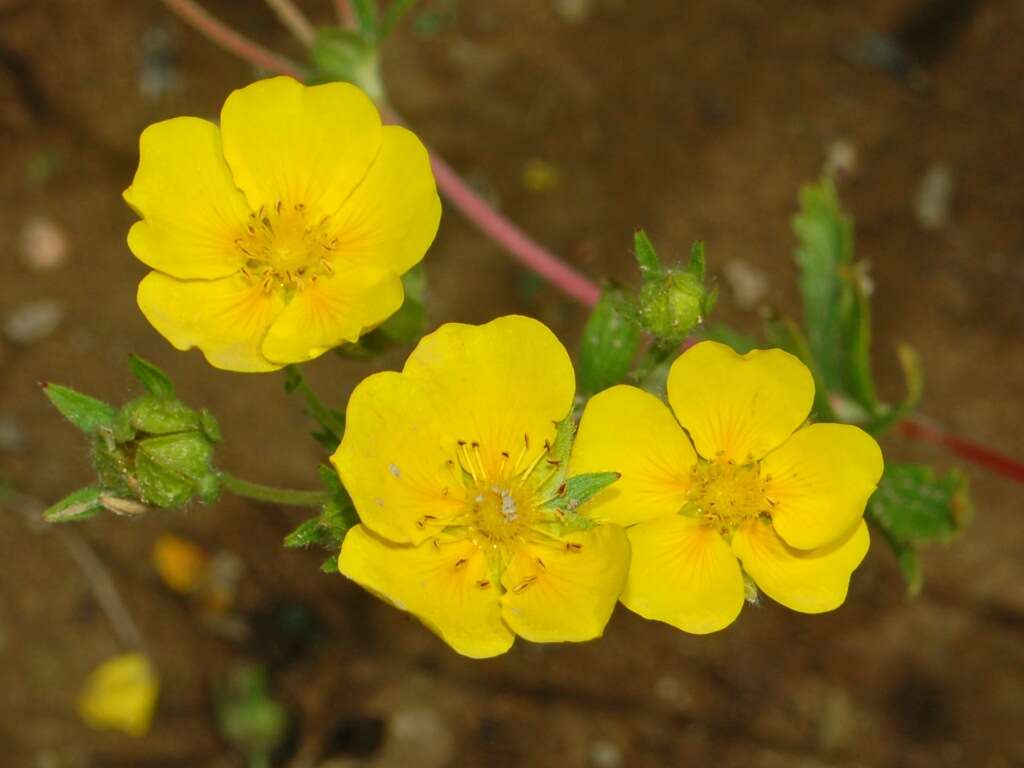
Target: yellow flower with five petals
{"x": 283, "y": 231}
{"x": 447, "y": 463}
{"x": 744, "y": 490}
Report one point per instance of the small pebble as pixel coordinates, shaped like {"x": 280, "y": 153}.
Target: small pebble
{"x": 748, "y": 284}
{"x": 934, "y": 197}
{"x": 43, "y": 244}
{"x": 574, "y": 11}
{"x": 605, "y": 754}
{"x": 12, "y": 439}
{"x": 33, "y": 321}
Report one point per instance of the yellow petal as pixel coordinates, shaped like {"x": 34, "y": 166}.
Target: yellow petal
{"x": 299, "y": 145}
{"x": 391, "y": 218}
{"x": 684, "y": 574}
{"x": 739, "y": 406}
{"x": 191, "y": 209}
{"x": 501, "y": 385}
{"x": 120, "y": 695}
{"x": 821, "y": 479}
{"x": 629, "y": 431}
{"x": 811, "y": 581}
{"x": 392, "y": 461}
{"x": 565, "y": 591}
{"x": 332, "y": 310}
{"x": 227, "y": 318}
{"x": 445, "y": 585}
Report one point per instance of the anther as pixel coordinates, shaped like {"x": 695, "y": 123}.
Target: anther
{"x": 460, "y": 563}
{"x": 483, "y": 583}
{"x": 572, "y": 546}
{"x": 524, "y": 584}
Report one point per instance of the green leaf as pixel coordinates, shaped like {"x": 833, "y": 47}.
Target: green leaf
{"x": 646, "y": 256}
{"x": 393, "y": 15}
{"x": 913, "y": 376}
{"x": 77, "y": 506}
{"x": 86, "y": 413}
{"x": 698, "y": 262}
{"x": 609, "y": 345}
{"x": 366, "y": 18}
{"x": 855, "y": 311}
{"x": 152, "y": 378}
{"x": 824, "y": 247}
{"x": 332, "y": 422}
{"x": 913, "y": 505}
{"x": 341, "y": 55}
{"x": 578, "y": 489}
{"x": 410, "y": 322}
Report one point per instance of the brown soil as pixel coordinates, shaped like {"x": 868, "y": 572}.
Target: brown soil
{"x": 699, "y": 122}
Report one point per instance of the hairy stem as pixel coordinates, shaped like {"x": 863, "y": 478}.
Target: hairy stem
{"x": 229, "y": 39}
{"x": 270, "y": 494}
{"x": 295, "y": 20}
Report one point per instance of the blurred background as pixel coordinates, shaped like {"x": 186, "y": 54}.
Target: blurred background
{"x": 581, "y": 119}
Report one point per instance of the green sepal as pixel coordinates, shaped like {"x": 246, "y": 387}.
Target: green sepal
{"x": 75, "y": 507}
{"x": 329, "y": 565}
{"x": 646, "y": 257}
{"x": 673, "y": 302}
{"x": 155, "y": 381}
{"x": 156, "y": 415}
{"x": 327, "y": 529}
{"x": 170, "y": 469}
{"x": 577, "y": 490}
{"x": 86, "y": 413}
{"x": 557, "y": 458}
{"x": 210, "y": 426}
{"x": 609, "y": 344}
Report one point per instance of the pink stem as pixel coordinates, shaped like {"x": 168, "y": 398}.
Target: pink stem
{"x": 521, "y": 246}
{"x": 524, "y": 248}
{"x": 227, "y": 38}
{"x": 346, "y": 17}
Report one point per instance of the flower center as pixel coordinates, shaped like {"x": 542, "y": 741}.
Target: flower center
{"x": 284, "y": 248}
{"x": 726, "y": 495}
{"x": 500, "y": 513}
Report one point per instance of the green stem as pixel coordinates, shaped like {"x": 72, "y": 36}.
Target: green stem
{"x": 271, "y": 494}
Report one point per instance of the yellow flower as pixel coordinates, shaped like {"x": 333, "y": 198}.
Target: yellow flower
{"x": 283, "y": 232}
{"x": 120, "y": 694}
{"x": 447, "y": 464}
{"x": 761, "y": 494}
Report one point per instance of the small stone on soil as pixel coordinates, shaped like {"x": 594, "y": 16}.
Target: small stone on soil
{"x": 33, "y": 321}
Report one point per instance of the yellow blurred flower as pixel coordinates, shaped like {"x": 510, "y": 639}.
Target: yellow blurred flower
{"x": 284, "y": 231}
{"x": 181, "y": 564}
{"x": 761, "y": 494}
{"x": 120, "y": 694}
{"x": 445, "y": 462}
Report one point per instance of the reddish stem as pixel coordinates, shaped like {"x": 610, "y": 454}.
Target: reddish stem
{"x": 520, "y": 245}
{"x": 916, "y": 428}
{"x": 346, "y": 17}
{"x": 221, "y": 34}
{"x": 501, "y": 230}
